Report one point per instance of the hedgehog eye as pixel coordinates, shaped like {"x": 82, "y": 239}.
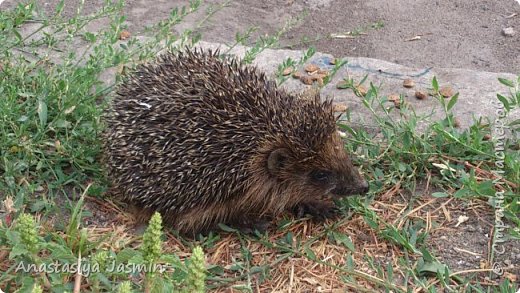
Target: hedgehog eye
{"x": 321, "y": 175}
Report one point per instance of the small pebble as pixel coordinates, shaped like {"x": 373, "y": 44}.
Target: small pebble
{"x": 408, "y": 83}
{"x": 341, "y": 85}
{"x": 311, "y": 68}
{"x": 362, "y": 90}
{"x": 307, "y": 79}
{"x": 456, "y": 124}
{"x": 396, "y": 100}
{"x": 297, "y": 74}
{"x": 124, "y": 35}
{"x": 322, "y": 72}
{"x": 508, "y": 31}
{"x": 421, "y": 95}
{"x": 318, "y": 76}
{"x": 393, "y": 98}
{"x": 287, "y": 71}
{"x": 340, "y": 107}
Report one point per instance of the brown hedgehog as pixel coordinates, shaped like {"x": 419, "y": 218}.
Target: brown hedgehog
{"x": 205, "y": 140}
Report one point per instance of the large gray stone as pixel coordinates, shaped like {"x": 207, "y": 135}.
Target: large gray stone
{"x": 477, "y": 90}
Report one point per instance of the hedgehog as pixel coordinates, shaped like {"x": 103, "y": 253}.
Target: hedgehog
{"x": 204, "y": 139}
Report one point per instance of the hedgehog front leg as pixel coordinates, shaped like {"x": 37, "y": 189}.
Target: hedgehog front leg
{"x": 319, "y": 210}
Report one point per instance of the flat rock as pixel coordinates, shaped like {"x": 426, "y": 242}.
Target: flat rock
{"x": 477, "y": 89}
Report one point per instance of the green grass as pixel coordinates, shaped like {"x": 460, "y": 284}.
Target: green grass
{"x": 52, "y": 100}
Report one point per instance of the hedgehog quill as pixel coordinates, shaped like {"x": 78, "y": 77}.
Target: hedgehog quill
{"x": 205, "y": 140}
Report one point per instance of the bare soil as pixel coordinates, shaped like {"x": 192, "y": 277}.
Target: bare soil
{"x": 453, "y": 34}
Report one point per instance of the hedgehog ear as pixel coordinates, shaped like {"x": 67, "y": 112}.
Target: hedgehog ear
{"x": 276, "y": 160}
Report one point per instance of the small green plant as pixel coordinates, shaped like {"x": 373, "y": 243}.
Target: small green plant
{"x": 37, "y": 289}
{"x": 125, "y": 287}
{"x": 263, "y": 42}
{"x": 152, "y": 243}
{"x": 151, "y": 248}
{"x": 27, "y": 229}
{"x": 293, "y": 64}
{"x": 196, "y": 271}
{"x": 513, "y": 100}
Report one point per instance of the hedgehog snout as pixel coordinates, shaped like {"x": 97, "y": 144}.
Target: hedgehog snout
{"x": 347, "y": 188}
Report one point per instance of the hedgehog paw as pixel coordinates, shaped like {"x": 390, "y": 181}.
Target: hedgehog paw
{"x": 318, "y": 210}
{"x": 249, "y": 226}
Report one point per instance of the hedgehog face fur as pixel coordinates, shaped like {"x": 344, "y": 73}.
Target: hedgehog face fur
{"x": 327, "y": 173}
{"x": 204, "y": 140}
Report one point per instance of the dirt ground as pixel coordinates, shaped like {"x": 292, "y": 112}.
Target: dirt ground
{"x": 453, "y": 34}
{"x": 460, "y": 34}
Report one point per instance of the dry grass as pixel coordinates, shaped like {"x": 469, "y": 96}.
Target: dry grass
{"x": 291, "y": 268}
